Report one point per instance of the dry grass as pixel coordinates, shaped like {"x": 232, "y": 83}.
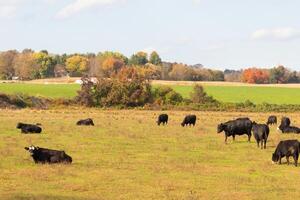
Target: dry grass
{"x": 127, "y": 156}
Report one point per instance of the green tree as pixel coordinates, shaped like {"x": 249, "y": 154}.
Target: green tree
{"x": 139, "y": 58}
{"x": 155, "y": 59}
{"x": 278, "y": 74}
{"x": 46, "y": 64}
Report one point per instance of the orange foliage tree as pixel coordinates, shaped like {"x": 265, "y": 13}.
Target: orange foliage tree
{"x": 254, "y": 75}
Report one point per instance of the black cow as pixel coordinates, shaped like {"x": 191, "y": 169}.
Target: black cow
{"x": 285, "y": 122}
{"x": 285, "y": 127}
{"x": 260, "y": 133}
{"x": 287, "y": 148}
{"x": 290, "y": 129}
{"x": 239, "y": 126}
{"x": 42, "y": 155}
{"x": 272, "y": 120}
{"x": 162, "y": 118}
{"x": 189, "y": 120}
{"x": 85, "y": 122}
{"x": 29, "y": 128}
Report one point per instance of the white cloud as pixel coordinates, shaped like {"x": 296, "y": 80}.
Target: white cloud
{"x": 197, "y": 1}
{"x": 79, "y": 5}
{"x": 8, "y": 9}
{"x": 277, "y": 34}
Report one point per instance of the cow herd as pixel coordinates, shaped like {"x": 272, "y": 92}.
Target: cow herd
{"x": 236, "y": 127}
{"x": 244, "y": 126}
{"x": 43, "y": 155}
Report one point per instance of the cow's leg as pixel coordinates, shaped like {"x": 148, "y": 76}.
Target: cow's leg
{"x": 233, "y": 137}
{"x": 288, "y": 160}
{"x": 261, "y": 144}
{"x": 249, "y": 137}
{"x": 265, "y": 144}
{"x": 296, "y": 159}
{"x": 257, "y": 141}
{"x": 279, "y": 159}
{"x": 225, "y": 138}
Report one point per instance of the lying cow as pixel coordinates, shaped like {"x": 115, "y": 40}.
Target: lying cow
{"x": 239, "y": 126}
{"x": 85, "y": 122}
{"x": 189, "y": 120}
{"x": 162, "y": 118}
{"x": 260, "y": 133}
{"x": 42, "y": 155}
{"x": 286, "y": 149}
{"x": 272, "y": 120}
{"x": 290, "y": 129}
{"x": 285, "y": 127}
{"x": 285, "y": 122}
{"x": 29, "y": 128}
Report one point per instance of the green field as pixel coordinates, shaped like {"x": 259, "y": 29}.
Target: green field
{"x": 44, "y": 90}
{"x": 272, "y": 95}
{"x": 127, "y": 156}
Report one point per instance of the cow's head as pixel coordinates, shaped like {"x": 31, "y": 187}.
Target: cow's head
{"x": 19, "y": 125}
{"x": 221, "y": 127}
{"x": 31, "y": 149}
{"x": 182, "y": 124}
{"x": 275, "y": 157}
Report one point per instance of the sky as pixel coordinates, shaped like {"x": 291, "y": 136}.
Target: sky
{"x": 219, "y": 34}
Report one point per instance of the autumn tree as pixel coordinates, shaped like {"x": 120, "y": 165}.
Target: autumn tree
{"x": 155, "y": 59}
{"x": 76, "y": 65}
{"x": 179, "y": 72}
{"x": 110, "y": 54}
{"x": 26, "y": 67}
{"x": 7, "y": 64}
{"x": 111, "y": 66}
{"x": 254, "y": 75}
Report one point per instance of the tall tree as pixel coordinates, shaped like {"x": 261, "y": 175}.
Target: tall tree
{"x": 7, "y": 64}
{"x": 155, "y": 59}
{"x": 278, "y": 74}
{"x": 46, "y": 64}
{"x": 76, "y": 65}
{"x": 139, "y": 58}
{"x": 26, "y": 67}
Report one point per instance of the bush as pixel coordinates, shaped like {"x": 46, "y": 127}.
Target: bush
{"x": 199, "y": 96}
{"x": 166, "y": 95}
{"x": 127, "y": 89}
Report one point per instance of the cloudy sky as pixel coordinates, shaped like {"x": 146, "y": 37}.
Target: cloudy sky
{"x": 216, "y": 33}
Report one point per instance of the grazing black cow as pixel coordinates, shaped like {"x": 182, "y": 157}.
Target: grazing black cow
{"x": 287, "y": 148}
{"x": 260, "y": 133}
{"x": 189, "y": 120}
{"x": 42, "y": 155}
{"x": 85, "y": 122}
{"x": 272, "y": 120}
{"x": 29, "y": 128}
{"x": 239, "y": 126}
{"x": 162, "y": 118}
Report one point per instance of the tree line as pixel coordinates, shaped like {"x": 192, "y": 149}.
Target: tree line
{"x": 28, "y": 65}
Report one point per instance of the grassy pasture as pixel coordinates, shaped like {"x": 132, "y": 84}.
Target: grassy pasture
{"x": 44, "y": 90}
{"x": 223, "y": 93}
{"x": 127, "y": 156}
